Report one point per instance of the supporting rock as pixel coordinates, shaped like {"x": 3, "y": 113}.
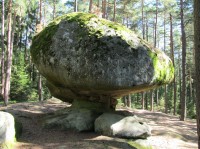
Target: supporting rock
{"x": 121, "y": 126}
{"x": 72, "y": 118}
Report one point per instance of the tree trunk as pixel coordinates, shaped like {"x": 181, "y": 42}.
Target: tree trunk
{"x": 40, "y": 88}
{"x": 147, "y": 29}
{"x": 165, "y": 88}
{"x": 125, "y": 101}
{"x": 54, "y": 9}
{"x": 183, "y": 93}
{"x": 40, "y": 12}
{"x": 33, "y": 76}
{"x": 8, "y": 55}
{"x": 172, "y": 58}
{"x": 146, "y": 100}
{"x": 142, "y": 100}
{"x": 107, "y": 8}
{"x": 9, "y": 60}
{"x": 3, "y": 51}
{"x": 129, "y": 101}
{"x": 151, "y": 103}
{"x": 197, "y": 62}
{"x": 90, "y": 6}
{"x": 114, "y": 11}
{"x": 44, "y": 13}
{"x": 156, "y": 20}
{"x": 103, "y": 8}
{"x": 164, "y": 31}
{"x": 39, "y": 76}
{"x": 166, "y": 105}
{"x": 190, "y": 82}
{"x": 75, "y": 5}
{"x": 127, "y": 21}
{"x": 143, "y": 26}
{"x": 179, "y": 73}
{"x": 155, "y": 44}
{"x": 25, "y": 48}
{"x": 157, "y": 96}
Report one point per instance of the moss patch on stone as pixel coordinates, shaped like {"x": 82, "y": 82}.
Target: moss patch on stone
{"x": 138, "y": 146}
{"x": 84, "y": 18}
{"x": 42, "y": 41}
{"x": 7, "y": 145}
{"x": 163, "y": 69}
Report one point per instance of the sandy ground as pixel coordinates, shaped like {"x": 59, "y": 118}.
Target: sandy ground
{"x": 167, "y": 131}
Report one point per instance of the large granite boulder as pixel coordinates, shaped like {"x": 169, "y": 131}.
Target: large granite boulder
{"x": 7, "y": 130}
{"x": 84, "y": 57}
{"x": 121, "y": 126}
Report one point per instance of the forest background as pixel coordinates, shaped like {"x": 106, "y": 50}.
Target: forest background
{"x": 166, "y": 24}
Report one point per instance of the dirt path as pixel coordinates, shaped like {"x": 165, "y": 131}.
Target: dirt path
{"x": 167, "y": 131}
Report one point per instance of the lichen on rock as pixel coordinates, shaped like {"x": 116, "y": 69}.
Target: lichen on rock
{"x": 84, "y": 57}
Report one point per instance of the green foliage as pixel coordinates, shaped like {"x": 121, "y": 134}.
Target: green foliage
{"x": 22, "y": 88}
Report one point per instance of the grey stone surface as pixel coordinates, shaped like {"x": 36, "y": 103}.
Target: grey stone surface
{"x": 72, "y": 118}
{"x": 86, "y": 57}
{"x": 7, "y": 130}
{"x": 121, "y": 126}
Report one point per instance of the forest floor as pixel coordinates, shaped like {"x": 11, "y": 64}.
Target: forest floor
{"x": 167, "y": 131}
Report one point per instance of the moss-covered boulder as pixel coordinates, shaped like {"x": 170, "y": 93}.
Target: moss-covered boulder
{"x": 84, "y": 57}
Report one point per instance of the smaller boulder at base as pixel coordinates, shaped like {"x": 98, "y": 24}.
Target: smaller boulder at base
{"x": 7, "y": 130}
{"x": 121, "y": 126}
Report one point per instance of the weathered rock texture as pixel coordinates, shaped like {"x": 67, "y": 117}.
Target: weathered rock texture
{"x": 7, "y": 130}
{"x": 86, "y": 57}
{"x": 120, "y": 126}
{"x": 72, "y": 118}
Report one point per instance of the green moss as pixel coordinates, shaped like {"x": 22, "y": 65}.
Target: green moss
{"x": 81, "y": 18}
{"x": 84, "y": 18}
{"x": 7, "y": 145}
{"x": 163, "y": 68}
{"x": 43, "y": 40}
{"x": 138, "y": 146}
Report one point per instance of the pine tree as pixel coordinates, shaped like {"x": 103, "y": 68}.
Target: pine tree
{"x": 197, "y": 62}
{"x": 8, "y": 55}
{"x": 183, "y": 37}
{"x": 3, "y": 51}
{"x": 172, "y": 58}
